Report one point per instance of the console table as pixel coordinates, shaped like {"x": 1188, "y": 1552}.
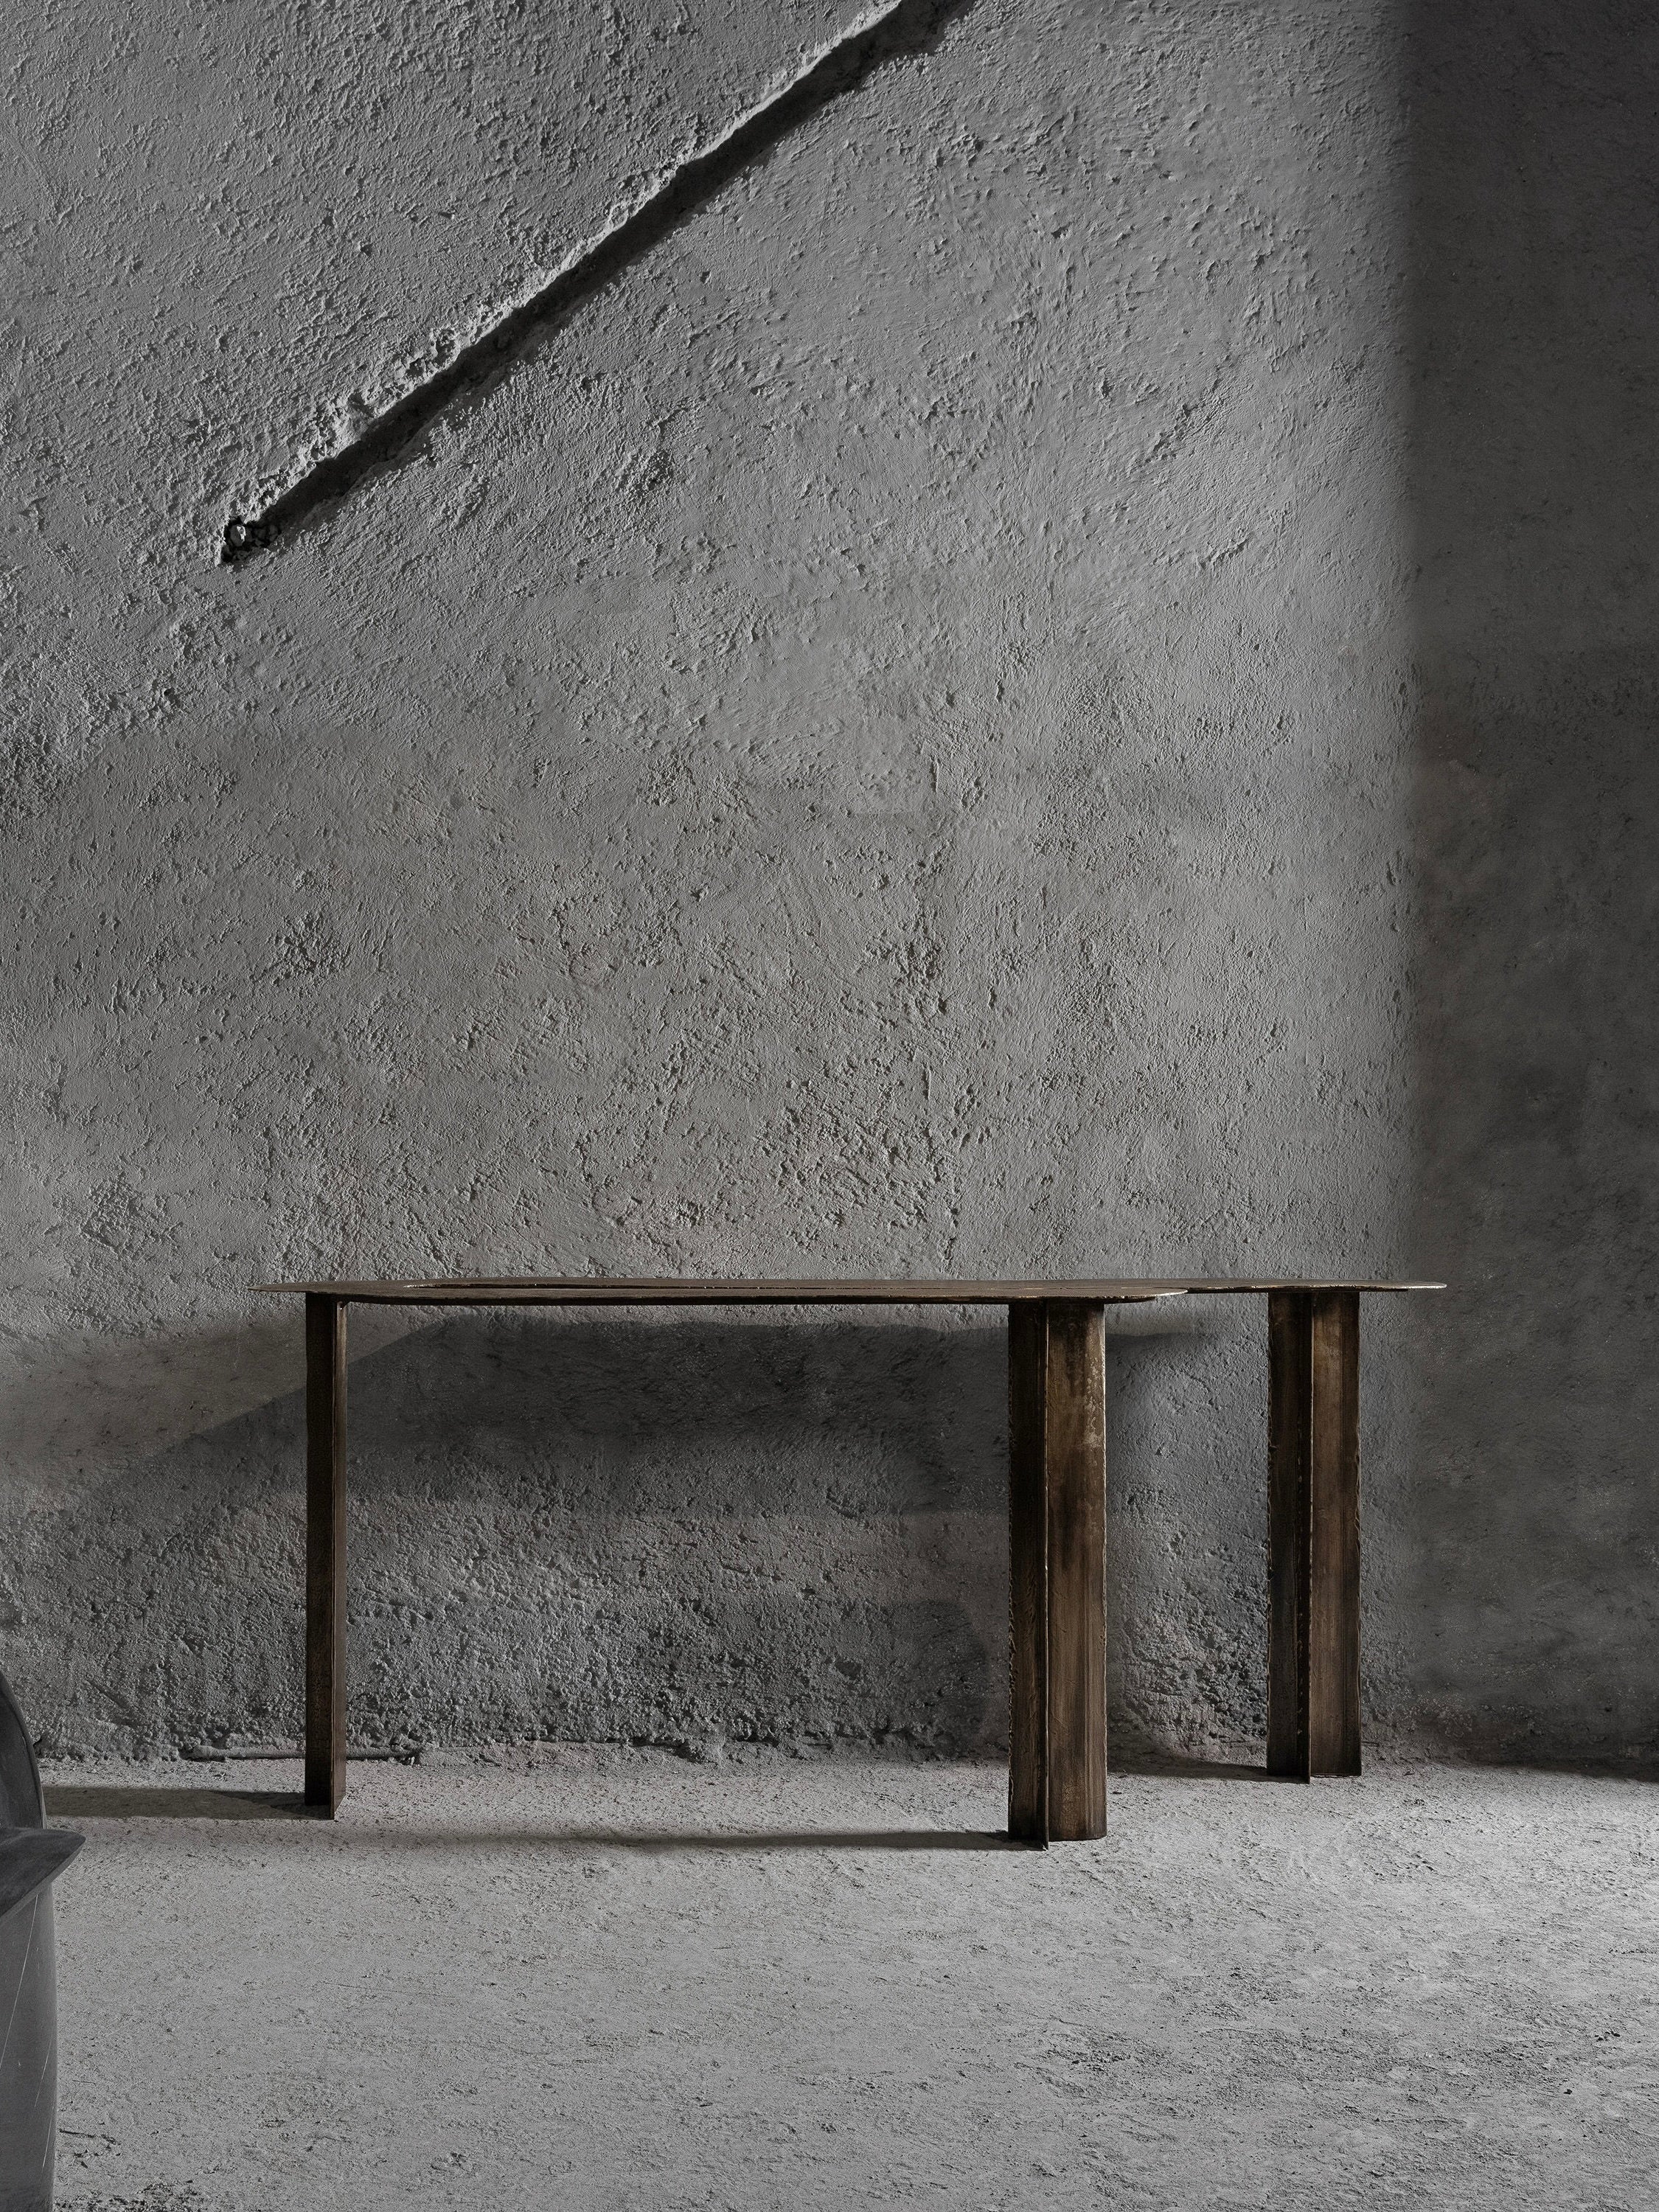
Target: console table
{"x": 1056, "y": 1508}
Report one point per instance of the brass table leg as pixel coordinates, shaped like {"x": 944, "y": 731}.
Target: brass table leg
{"x": 1057, "y": 1533}
{"x": 1313, "y": 1533}
{"x": 325, "y": 1545}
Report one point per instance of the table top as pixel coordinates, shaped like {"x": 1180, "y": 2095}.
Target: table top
{"x": 644, "y": 1291}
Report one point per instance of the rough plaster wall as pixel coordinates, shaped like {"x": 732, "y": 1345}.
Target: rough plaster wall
{"x": 1535, "y": 316}
{"x": 888, "y": 749}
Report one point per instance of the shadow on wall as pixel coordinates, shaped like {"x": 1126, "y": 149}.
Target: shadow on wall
{"x": 685, "y": 1416}
{"x": 671, "y": 1534}
{"x": 1535, "y": 257}
{"x": 745, "y": 1530}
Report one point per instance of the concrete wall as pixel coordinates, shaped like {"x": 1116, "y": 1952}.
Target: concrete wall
{"x": 892, "y": 744}
{"x": 1534, "y": 320}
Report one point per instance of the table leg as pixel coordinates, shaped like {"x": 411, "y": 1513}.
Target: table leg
{"x": 325, "y": 1543}
{"x": 1313, "y": 1533}
{"x": 1057, "y": 1543}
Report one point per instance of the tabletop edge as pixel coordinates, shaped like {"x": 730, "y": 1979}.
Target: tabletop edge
{"x": 601, "y": 1289}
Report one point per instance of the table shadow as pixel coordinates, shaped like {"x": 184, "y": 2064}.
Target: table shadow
{"x": 666, "y": 1840}
{"x": 112, "y": 1801}
{"x": 98, "y": 1801}
{"x": 1173, "y": 1766}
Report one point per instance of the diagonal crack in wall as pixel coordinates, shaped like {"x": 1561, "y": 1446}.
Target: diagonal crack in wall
{"x": 902, "y": 28}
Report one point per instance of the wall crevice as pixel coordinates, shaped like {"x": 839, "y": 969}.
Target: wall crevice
{"x": 466, "y": 375}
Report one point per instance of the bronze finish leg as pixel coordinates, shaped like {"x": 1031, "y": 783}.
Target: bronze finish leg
{"x": 1313, "y": 1533}
{"x": 1057, "y": 1533}
{"x": 325, "y": 1538}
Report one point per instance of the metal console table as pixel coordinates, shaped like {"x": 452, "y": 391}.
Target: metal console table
{"x": 1056, "y": 1503}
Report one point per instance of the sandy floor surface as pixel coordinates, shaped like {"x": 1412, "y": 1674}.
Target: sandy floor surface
{"x": 619, "y": 1980}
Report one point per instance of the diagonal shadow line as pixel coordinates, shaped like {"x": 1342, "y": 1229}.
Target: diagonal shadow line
{"x": 126, "y": 1802}
{"x": 908, "y": 27}
{"x": 662, "y": 1842}
{"x": 1177, "y": 1766}
{"x": 116, "y": 1801}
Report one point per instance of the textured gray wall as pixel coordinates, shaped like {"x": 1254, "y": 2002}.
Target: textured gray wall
{"x": 1534, "y": 318}
{"x": 931, "y": 729}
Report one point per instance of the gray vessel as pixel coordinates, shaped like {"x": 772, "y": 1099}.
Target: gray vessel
{"x": 31, "y": 1854}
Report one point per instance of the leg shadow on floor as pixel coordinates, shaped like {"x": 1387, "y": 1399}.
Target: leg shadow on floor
{"x": 100, "y": 1800}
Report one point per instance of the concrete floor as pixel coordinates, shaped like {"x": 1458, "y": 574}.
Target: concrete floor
{"x": 617, "y": 1979}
